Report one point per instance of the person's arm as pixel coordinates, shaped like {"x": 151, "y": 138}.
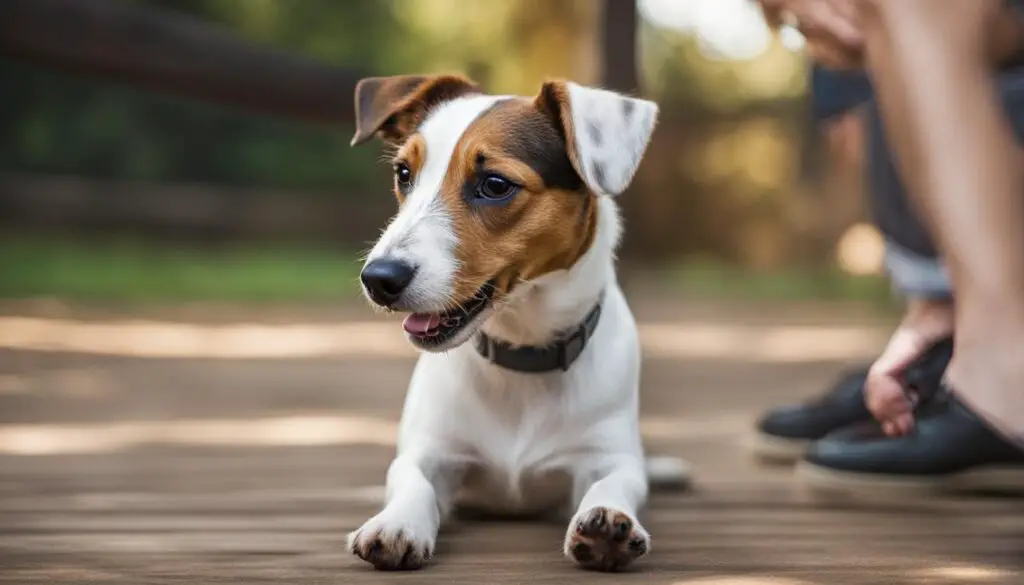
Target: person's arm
{"x": 835, "y": 37}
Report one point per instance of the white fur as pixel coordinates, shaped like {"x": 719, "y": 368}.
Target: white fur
{"x": 478, "y": 435}
{"x": 421, "y": 232}
{"x": 609, "y": 136}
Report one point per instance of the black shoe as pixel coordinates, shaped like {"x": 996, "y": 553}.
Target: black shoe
{"x": 784, "y": 434}
{"x": 949, "y": 450}
{"x": 869, "y": 430}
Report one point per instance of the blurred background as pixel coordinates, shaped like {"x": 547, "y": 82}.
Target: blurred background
{"x": 191, "y": 389}
{"x": 166, "y": 186}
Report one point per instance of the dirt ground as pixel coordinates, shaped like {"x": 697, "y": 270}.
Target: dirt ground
{"x": 123, "y": 461}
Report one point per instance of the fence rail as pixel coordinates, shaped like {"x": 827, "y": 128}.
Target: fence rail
{"x": 174, "y": 54}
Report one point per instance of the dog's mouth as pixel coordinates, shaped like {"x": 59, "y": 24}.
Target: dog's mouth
{"x": 434, "y": 330}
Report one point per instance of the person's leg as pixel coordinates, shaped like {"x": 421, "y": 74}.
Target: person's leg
{"x": 953, "y": 449}
{"x": 957, "y": 152}
{"x": 911, "y": 260}
{"x": 783, "y": 434}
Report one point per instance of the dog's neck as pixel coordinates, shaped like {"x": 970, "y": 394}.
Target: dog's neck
{"x": 541, "y": 309}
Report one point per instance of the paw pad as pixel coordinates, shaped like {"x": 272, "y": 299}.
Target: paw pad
{"x": 606, "y": 540}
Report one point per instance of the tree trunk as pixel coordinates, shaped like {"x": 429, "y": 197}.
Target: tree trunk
{"x": 619, "y": 47}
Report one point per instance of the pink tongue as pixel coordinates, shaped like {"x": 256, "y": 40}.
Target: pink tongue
{"x": 421, "y": 323}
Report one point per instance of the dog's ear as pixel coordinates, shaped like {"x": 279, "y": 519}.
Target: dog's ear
{"x": 606, "y": 133}
{"x": 392, "y": 107}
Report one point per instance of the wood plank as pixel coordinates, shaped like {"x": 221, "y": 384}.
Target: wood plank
{"x": 264, "y": 513}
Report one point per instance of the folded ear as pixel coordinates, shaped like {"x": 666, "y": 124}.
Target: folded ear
{"x": 393, "y": 107}
{"x": 606, "y": 133}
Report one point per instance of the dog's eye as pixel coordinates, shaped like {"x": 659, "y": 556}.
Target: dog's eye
{"x": 496, "y": 188}
{"x": 403, "y": 175}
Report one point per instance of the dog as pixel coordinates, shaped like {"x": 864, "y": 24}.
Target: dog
{"x": 525, "y": 397}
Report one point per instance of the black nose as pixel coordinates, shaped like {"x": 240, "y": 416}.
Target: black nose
{"x": 385, "y": 279}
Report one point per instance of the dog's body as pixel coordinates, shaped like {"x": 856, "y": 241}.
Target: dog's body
{"x": 474, "y": 433}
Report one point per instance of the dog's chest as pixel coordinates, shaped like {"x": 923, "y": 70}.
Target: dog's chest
{"x": 522, "y": 456}
{"x": 514, "y": 491}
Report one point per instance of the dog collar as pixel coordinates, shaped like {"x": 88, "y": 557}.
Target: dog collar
{"x": 558, "y": 355}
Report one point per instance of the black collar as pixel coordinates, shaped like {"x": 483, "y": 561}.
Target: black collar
{"x": 558, "y": 355}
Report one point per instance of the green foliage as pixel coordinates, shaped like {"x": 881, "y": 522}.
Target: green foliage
{"x": 706, "y": 278}
{"x": 56, "y": 123}
{"x": 722, "y": 175}
{"x": 60, "y": 124}
{"x": 133, "y": 270}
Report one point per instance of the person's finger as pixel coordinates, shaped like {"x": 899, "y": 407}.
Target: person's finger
{"x": 904, "y": 424}
{"x": 884, "y": 398}
{"x": 889, "y": 428}
{"x": 825, "y": 17}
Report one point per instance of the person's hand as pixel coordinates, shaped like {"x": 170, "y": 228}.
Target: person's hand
{"x": 925, "y": 323}
{"x": 830, "y": 28}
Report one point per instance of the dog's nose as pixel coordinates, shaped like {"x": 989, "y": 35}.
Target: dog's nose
{"x": 385, "y": 279}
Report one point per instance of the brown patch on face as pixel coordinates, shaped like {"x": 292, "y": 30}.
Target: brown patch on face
{"x": 545, "y": 227}
{"x": 412, "y": 154}
{"x": 393, "y": 107}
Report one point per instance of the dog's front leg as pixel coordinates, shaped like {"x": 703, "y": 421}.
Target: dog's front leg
{"x": 604, "y": 534}
{"x": 403, "y": 534}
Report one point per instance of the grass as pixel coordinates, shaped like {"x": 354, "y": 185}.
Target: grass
{"x": 133, "y": 270}
{"x": 708, "y": 279}
{"x": 124, "y": 270}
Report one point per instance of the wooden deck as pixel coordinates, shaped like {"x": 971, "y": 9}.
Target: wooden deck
{"x": 150, "y": 470}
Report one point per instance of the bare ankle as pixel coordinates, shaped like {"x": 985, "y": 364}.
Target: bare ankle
{"x": 932, "y": 319}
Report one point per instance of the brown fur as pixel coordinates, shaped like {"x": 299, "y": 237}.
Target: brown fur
{"x": 553, "y": 99}
{"x": 413, "y": 154}
{"x": 393, "y": 107}
{"x": 546, "y": 227}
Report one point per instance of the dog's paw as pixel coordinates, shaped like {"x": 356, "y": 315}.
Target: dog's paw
{"x": 390, "y": 545}
{"x": 604, "y": 539}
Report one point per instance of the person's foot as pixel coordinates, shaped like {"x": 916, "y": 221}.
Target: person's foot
{"x": 987, "y": 373}
{"x": 949, "y": 450}
{"x": 784, "y": 434}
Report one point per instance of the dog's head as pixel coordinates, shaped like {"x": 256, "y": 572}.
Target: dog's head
{"x": 493, "y": 191}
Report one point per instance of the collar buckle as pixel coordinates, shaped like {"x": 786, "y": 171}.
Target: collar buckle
{"x": 570, "y": 348}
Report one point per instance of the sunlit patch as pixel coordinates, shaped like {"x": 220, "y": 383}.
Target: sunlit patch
{"x": 792, "y": 39}
{"x": 12, "y": 385}
{"x": 725, "y": 29}
{"x": 746, "y": 580}
{"x": 292, "y": 431}
{"x": 41, "y": 439}
{"x": 723, "y": 426}
{"x": 156, "y": 339}
{"x": 150, "y": 339}
{"x": 963, "y": 574}
{"x": 861, "y": 250}
{"x": 760, "y": 344}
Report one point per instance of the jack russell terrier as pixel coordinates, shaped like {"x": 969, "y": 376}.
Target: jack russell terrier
{"x": 525, "y": 396}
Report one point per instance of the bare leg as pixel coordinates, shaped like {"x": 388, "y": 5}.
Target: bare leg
{"x": 953, "y": 143}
